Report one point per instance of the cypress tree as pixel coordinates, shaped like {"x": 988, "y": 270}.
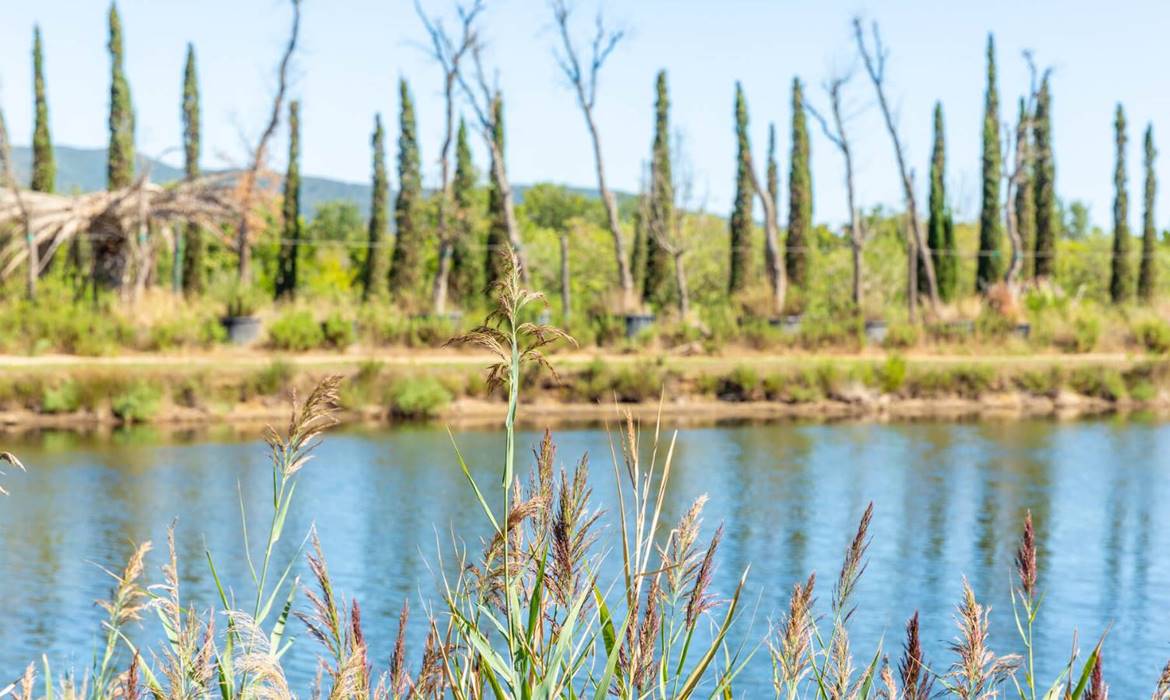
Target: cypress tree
{"x": 1025, "y": 191}
{"x": 799, "y": 195}
{"x": 741, "y": 215}
{"x": 404, "y": 266}
{"x": 44, "y": 170}
{"x": 1047, "y": 218}
{"x": 374, "y": 270}
{"x": 1148, "y": 274}
{"x": 496, "y": 265}
{"x": 640, "y": 249}
{"x": 657, "y": 289}
{"x": 1121, "y": 278}
{"x": 193, "y": 275}
{"x": 466, "y": 278}
{"x": 990, "y": 265}
{"x": 120, "y": 157}
{"x": 290, "y": 244}
{"x": 940, "y": 232}
{"x": 773, "y": 185}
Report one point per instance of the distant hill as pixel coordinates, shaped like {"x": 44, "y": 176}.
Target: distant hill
{"x": 84, "y": 170}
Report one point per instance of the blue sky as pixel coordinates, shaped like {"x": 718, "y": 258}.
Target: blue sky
{"x": 355, "y": 50}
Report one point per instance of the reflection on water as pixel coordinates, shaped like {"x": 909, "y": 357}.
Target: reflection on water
{"x": 949, "y": 499}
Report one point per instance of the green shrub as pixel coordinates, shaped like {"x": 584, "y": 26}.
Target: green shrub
{"x": 137, "y": 404}
{"x": 1086, "y": 332}
{"x": 1143, "y": 392}
{"x": 992, "y": 325}
{"x": 270, "y": 380}
{"x": 1041, "y": 382}
{"x": 418, "y": 397}
{"x": 892, "y": 374}
{"x": 900, "y": 335}
{"x": 198, "y": 331}
{"x": 827, "y": 332}
{"x": 741, "y": 384}
{"x": 337, "y": 332}
{"x": 296, "y": 331}
{"x": 61, "y": 398}
{"x": 1098, "y": 382}
{"x": 1153, "y": 335}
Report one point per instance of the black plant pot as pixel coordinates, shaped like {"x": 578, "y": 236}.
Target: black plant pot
{"x": 241, "y": 330}
{"x": 1023, "y": 330}
{"x": 636, "y": 323}
{"x": 875, "y": 331}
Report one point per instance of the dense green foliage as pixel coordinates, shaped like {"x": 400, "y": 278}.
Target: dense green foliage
{"x": 466, "y": 283}
{"x": 796, "y": 253}
{"x": 1148, "y": 272}
{"x": 1047, "y": 216}
{"x": 659, "y": 215}
{"x": 44, "y": 170}
{"x": 940, "y": 230}
{"x": 773, "y": 185}
{"x": 990, "y": 264}
{"x": 1121, "y": 274}
{"x": 497, "y": 236}
{"x": 1025, "y": 204}
{"x": 405, "y": 276}
{"x": 293, "y": 227}
{"x": 374, "y": 268}
{"x": 741, "y": 214}
{"x": 120, "y": 155}
{"x": 191, "y": 240}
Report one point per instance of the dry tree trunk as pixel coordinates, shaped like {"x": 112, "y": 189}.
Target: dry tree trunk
{"x": 875, "y": 65}
{"x": 249, "y": 177}
{"x": 448, "y": 55}
{"x": 585, "y": 86}
{"x": 777, "y": 275}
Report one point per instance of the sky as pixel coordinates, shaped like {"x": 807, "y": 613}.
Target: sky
{"x": 354, "y": 52}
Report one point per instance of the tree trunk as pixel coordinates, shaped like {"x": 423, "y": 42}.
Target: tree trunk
{"x": 680, "y": 278}
{"x": 777, "y": 275}
{"x": 566, "y": 298}
{"x": 625, "y": 276}
{"x": 912, "y": 276}
{"x": 34, "y": 263}
{"x": 500, "y": 174}
{"x": 442, "y": 228}
{"x": 856, "y": 246}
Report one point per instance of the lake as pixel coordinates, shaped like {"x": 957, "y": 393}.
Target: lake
{"x": 949, "y": 498}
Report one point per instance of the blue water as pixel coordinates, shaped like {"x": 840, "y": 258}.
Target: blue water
{"x": 949, "y": 499}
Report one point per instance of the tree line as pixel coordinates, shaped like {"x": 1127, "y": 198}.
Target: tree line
{"x": 1018, "y": 223}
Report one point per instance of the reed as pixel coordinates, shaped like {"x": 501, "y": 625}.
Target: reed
{"x": 529, "y": 616}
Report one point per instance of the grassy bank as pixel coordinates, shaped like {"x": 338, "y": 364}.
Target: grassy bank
{"x": 450, "y": 386}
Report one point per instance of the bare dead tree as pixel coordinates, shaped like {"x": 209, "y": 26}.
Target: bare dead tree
{"x": 835, "y": 132}
{"x": 484, "y": 98}
{"x": 875, "y": 65}
{"x": 447, "y": 52}
{"x": 260, "y": 153}
{"x": 1016, "y": 146}
{"x": 582, "y": 76}
{"x": 774, "y": 258}
{"x": 8, "y": 175}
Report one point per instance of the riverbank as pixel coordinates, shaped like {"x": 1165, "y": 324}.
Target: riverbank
{"x": 251, "y": 389}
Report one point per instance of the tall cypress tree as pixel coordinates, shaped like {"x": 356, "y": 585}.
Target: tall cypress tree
{"x": 940, "y": 233}
{"x": 404, "y": 266}
{"x": 120, "y": 157}
{"x": 799, "y": 195}
{"x": 741, "y": 215}
{"x": 44, "y": 170}
{"x": 495, "y": 264}
{"x": 773, "y": 186}
{"x": 466, "y": 273}
{"x": 1047, "y": 219}
{"x": 641, "y": 248}
{"x": 290, "y": 244}
{"x": 374, "y": 270}
{"x": 657, "y": 288}
{"x": 990, "y": 265}
{"x": 1121, "y": 277}
{"x": 193, "y": 280}
{"x": 1148, "y": 273}
{"x": 1025, "y": 204}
